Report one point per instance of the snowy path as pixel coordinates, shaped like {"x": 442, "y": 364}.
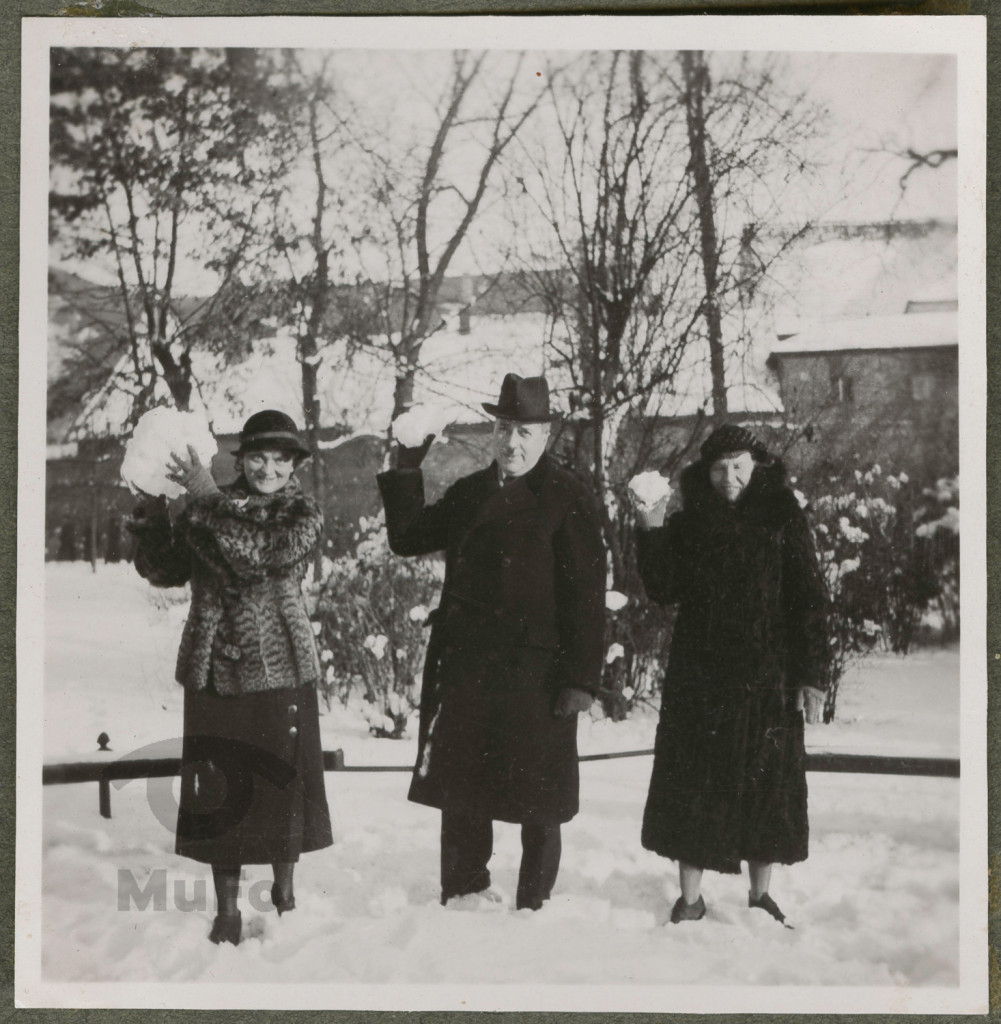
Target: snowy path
{"x": 884, "y": 850}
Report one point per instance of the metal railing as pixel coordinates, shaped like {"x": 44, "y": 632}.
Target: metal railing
{"x": 104, "y": 773}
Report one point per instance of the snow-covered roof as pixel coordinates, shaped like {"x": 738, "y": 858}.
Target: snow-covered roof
{"x": 865, "y": 274}
{"x": 902, "y": 331}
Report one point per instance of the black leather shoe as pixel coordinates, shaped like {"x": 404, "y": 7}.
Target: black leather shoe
{"x": 281, "y": 904}
{"x": 226, "y": 928}
{"x": 683, "y": 911}
{"x": 766, "y": 903}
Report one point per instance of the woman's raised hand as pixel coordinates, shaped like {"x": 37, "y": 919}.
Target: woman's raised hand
{"x": 191, "y": 474}
{"x": 650, "y": 494}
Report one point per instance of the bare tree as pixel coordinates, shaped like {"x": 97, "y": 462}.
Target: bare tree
{"x": 615, "y": 256}
{"x": 426, "y": 188}
{"x": 750, "y": 148}
{"x": 160, "y": 157}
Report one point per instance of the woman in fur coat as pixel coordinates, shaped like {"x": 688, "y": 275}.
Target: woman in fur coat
{"x": 252, "y": 789}
{"x": 748, "y": 658}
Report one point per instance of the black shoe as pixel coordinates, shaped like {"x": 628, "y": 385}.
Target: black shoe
{"x": 683, "y": 911}
{"x": 766, "y": 903}
{"x": 281, "y": 903}
{"x": 226, "y": 928}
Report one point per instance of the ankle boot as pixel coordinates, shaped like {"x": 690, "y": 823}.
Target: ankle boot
{"x": 766, "y": 903}
{"x": 683, "y": 911}
{"x": 281, "y": 903}
{"x": 226, "y": 928}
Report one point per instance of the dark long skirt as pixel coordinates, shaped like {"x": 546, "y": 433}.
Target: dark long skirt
{"x": 252, "y": 781}
{"x": 728, "y": 782}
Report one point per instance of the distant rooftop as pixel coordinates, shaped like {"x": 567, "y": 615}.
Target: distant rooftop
{"x": 901, "y": 331}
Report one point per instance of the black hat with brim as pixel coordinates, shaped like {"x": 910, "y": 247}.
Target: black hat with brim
{"x": 523, "y": 399}
{"x": 271, "y": 430}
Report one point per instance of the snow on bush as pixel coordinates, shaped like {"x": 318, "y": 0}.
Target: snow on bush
{"x": 615, "y": 601}
{"x": 160, "y": 433}
{"x": 415, "y": 424}
{"x": 889, "y": 552}
{"x": 371, "y": 611}
{"x": 649, "y": 488}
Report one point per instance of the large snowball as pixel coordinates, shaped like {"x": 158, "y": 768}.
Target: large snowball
{"x": 158, "y": 434}
{"x": 415, "y": 424}
{"x": 649, "y": 488}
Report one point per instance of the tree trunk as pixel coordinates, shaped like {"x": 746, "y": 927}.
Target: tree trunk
{"x": 696, "y": 76}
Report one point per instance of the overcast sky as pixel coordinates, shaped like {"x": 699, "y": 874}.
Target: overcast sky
{"x": 878, "y": 103}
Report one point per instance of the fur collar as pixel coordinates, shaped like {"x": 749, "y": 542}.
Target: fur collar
{"x": 240, "y": 491}
{"x": 766, "y": 498}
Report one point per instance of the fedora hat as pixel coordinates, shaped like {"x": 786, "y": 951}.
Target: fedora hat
{"x": 524, "y": 399}
{"x": 270, "y": 429}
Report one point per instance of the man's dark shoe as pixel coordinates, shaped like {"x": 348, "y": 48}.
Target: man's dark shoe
{"x": 766, "y": 903}
{"x": 683, "y": 911}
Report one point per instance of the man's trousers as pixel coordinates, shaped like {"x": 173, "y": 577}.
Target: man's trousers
{"x": 467, "y": 843}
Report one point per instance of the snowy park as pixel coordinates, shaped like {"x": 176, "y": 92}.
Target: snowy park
{"x": 475, "y": 393}
{"x": 884, "y": 849}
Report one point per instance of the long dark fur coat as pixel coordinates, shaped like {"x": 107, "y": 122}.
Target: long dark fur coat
{"x": 728, "y": 779}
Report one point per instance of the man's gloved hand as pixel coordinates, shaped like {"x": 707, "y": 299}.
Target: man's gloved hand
{"x": 810, "y": 701}
{"x": 191, "y": 474}
{"x": 411, "y": 458}
{"x": 571, "y": 702}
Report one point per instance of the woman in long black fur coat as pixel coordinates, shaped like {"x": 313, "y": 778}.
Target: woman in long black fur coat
{"x": 748, "y": 658}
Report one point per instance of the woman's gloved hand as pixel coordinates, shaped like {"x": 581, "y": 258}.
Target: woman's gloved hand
{"x": 650, "y": 517}
{"x": 572, "y": 701}
{"x": 411, "y": 458}
{"x": 810, "y": 701}
{"x": 191, "y": 474}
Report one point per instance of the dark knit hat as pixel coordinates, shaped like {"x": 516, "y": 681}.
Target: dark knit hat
{"x": 729, "y": 439}
{"x": 271, "y": 429}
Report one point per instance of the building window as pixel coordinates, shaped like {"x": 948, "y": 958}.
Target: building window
{"x": 843, "y": 389}
{"x": 923, "y": 387}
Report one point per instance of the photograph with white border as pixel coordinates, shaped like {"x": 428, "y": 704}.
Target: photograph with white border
{"x": 337, "y": 238}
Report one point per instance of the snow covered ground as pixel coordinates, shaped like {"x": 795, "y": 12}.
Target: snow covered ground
{"x": 877, "y": 903}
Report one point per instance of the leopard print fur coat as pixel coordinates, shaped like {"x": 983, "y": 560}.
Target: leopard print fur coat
{"x": 245, "y": 556}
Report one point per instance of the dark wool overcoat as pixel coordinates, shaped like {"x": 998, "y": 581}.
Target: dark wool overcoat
{"x": 521, "y": 618}
{"x": 728, "y": 779}
{"x": 252, "y": 786}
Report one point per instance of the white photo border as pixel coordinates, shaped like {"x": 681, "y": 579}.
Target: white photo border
{"x": 964, "y": 36}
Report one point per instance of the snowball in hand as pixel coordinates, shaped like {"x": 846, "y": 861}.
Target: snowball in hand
{"x": 158, "y": 434}
{"x": 649, "y": 488}
{"x": 415, "y": 424}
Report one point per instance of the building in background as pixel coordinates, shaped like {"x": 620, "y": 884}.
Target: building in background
{"x": 853, "y": 356}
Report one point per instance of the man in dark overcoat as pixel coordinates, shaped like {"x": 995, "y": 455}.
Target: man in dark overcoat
{"x": 516, "y": 643}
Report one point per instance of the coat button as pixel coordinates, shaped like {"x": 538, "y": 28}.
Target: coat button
{"x": 293, "y": 731}
{"x": 292, "y": 709}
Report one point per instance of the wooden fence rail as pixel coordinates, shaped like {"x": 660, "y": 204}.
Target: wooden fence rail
{"x": 104, "y": 773}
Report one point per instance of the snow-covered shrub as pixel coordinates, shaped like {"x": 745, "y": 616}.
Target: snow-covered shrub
{"x": 371, "y": 613}
{"x": 889, "y": 551}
